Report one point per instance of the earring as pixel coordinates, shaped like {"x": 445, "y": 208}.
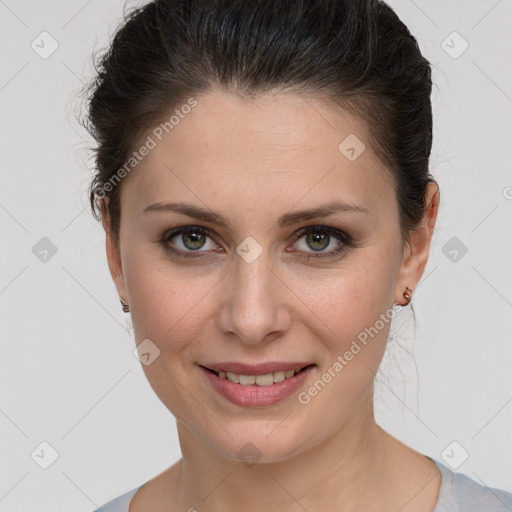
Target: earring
{"x": 407, "y": 296}
{"x": 125, "y": 306}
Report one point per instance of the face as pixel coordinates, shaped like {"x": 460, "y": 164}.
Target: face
{"x": 255, "y": 282}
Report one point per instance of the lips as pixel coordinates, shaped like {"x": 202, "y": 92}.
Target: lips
{"x": 259, "y": 386}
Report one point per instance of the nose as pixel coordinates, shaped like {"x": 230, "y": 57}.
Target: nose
{"x": 253, "y": 307}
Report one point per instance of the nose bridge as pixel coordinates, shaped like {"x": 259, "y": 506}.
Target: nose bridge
{"x": 251, "y": 307}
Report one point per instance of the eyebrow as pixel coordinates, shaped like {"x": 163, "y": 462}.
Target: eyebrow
{"x": 286, "y": 219}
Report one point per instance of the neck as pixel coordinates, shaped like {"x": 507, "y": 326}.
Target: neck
{"x": 347, "y": 470}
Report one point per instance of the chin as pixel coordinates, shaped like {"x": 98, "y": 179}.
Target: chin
{"x": 259, "y": 443}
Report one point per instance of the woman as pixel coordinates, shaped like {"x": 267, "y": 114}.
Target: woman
{"x": 263, "y": 181}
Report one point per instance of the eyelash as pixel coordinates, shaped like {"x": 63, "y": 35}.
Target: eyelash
{"x": 345, "y": 239}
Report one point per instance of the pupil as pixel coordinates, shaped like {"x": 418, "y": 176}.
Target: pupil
{"x": 194, "y": 237}
{"x": 315, "y": 239}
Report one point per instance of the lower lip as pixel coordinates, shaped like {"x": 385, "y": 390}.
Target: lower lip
{"x": 253, "y": 395}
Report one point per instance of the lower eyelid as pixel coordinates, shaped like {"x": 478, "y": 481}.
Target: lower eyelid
{"x": 311, "y": 255}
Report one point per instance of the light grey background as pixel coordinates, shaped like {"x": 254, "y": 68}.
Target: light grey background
{"x": 68, "y": 376}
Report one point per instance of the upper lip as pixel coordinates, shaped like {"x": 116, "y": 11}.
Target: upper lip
{"x": 256, "y": 369}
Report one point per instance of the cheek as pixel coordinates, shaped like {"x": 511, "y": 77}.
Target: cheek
{"x": 164, "y": 304}
{"x": 169, "y": 305}
{"x": 349, "y": 299}
{"x": 353, "y": 334}
{"x": 354, "y": 309}
{"x": 170, "y": 309}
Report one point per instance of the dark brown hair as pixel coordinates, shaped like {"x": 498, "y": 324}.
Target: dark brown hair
{"x": 356, "y": 53}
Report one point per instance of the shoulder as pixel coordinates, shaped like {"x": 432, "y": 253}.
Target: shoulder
{"x": 119, "y": 504}
{"x": 459, "y": 493}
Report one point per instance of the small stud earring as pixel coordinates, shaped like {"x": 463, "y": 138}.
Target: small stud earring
{"x": 125, "y": 306}
{"x": 407, "y": 296}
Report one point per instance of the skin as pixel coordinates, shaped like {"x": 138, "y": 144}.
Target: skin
{"x": 252, "y": 161}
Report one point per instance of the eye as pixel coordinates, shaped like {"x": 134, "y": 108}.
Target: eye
{"x": 192, "y": 241}
{"x": 189, "y": 240}
{"x": 319, "y": 238}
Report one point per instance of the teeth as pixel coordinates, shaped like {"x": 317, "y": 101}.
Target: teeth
{"x": 233, "y": 377}
{"x": 260, "y": 380}
{"x": 246, "y": 380}
{"x": 265, "y": 380}
{"x": 279, "y": 376}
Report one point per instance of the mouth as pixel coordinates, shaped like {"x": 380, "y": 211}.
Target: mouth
{"x": 259, "y": 379}
{"x": 261, "y": 385}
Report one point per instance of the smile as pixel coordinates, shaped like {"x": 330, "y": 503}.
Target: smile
{"x": 256, "y": 389}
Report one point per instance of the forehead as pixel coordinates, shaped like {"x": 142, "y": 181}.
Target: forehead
{"x": 272, "y": 148}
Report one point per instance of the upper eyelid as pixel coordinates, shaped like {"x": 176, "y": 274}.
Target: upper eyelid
{"x": 171, "y": 233}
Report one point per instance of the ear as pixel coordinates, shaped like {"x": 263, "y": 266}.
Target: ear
{"x": 416, "y": 251}
{"x": 113, "y": 252}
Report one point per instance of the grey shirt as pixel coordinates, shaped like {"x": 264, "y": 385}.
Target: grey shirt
{"x": 458, "y": 493}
